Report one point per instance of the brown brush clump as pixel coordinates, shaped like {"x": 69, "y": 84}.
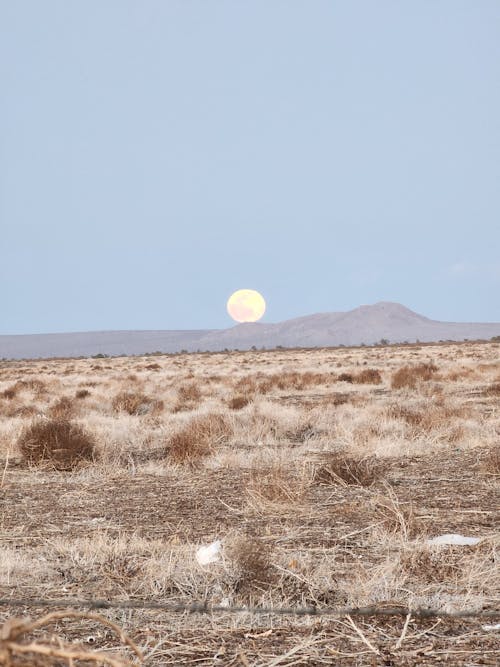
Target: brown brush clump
{"x": 433, "y": 565}
{"x": 491, "y": 461}
{"x": 188, "y": 397}
{"x": 135, "y": 403}
{"x": 409, "y": 376}
{"x": 396, "y": 517}
{"x": 198, "y": 439}
{"x": 64, "y": 408}
{"x": 493, "y": 389}
{"x": 238, "y": 402}
{"x": 345, "y": 377}
{"x": 368, "y": 376}
{"x": 82, "y": 393}
{"x": 341, "y": 468}
{"x": 38, "y": 387}
{"x": 10, "y": 392}
{"x": 58, "y": 443}
{"x": 275, "y": 484}
{"x": 251, "y": 559}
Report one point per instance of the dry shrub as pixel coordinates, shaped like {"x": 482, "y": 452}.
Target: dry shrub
{"x": 368, "y": 376}
{"x": 409, "y": 376}
{"x": 251, "y": 559}
{"x": 341, "y": 468}
{"x": 238, "y": 402}
{"x": 396, "y": 517}
{"x": 424, "y": 419}
{"x": 198, "y": 439}
{"x": 345, "y": 377}
{"x": 493, "y": 389}
{"x": 276, "y": 485}
{"x": 135, "y": 403}
{"x": 491, "y": 460}
{"x": 10, "y": 392}
{"x": 302, "y": 433}
{"x": 434, "y": 564}
{"x": 337, "y": 398}
{"x": 188, "y": 397}
{"x": 152, "y": 367}
{"x": 35, "y": 385}
{"x": 60, "y": 444}
{"x": 285, "y": 381}
{"x": 63, "y": 408}
{"x": 189, "y": 393}
{"x": 82, "y": 393}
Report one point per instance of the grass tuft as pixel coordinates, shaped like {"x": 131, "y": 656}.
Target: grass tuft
{"x": 341, "y": 468}
{"x": 60, "y": 444}
{"x": 198, "y": 439}
{"x": 409, "y": 376}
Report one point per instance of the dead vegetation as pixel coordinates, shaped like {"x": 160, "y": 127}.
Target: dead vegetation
{"x": 198, "y": 439}
{"x": 321, "y": 474}
{"x": 59, "y": 444}
{"x": 136, "y": 403}
{"x": 340, "y": 467}
{"x": 409, "y": 376}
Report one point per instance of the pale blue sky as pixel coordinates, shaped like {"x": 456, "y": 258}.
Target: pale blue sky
{"x": 156, "y": 155}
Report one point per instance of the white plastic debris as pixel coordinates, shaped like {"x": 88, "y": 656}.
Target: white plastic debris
{"x": 209, "y": 554}
{"x": 491, "y": 627}
{"x": 454, "y": 538}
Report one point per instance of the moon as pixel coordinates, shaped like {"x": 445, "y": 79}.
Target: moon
{"x": 246, "y": 305}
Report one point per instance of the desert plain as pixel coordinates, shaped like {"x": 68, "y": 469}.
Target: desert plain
{"x": 319, "y": 477}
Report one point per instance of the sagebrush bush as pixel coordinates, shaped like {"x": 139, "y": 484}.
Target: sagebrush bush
{"x": 238, "y": 402}
{"x": 135, "y": 403}
{"x": 251, "y": 559}
{"x": 10, "y": 392}
{"x": 342, "y": 468}
{"x": 82, "y": 393}
{"x": 368, "y": 376}
{"x": 409, "y": 376}
{"x": 60, "y": 444}
{"x": 63, "y": 408}
{"x": 198, "y": 439}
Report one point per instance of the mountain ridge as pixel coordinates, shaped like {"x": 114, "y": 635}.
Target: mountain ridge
{"x": 365, "y": 324}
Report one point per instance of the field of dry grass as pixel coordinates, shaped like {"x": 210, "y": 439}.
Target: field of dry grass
{"x": 324, "y": 473}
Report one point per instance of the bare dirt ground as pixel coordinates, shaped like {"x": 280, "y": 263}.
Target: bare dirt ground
{"x": 323, "y": 473}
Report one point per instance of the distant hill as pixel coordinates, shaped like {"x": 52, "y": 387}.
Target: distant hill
{"x": 365, "y": 324}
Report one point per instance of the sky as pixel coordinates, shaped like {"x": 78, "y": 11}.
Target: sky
{"x": 155, "y": 156}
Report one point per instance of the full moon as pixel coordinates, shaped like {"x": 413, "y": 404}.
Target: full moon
{"x": 246, "y": 305}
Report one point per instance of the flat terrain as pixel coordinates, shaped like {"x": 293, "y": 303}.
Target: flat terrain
{"x": 323, "y": 473}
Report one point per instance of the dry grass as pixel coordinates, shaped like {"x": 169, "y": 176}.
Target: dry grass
{"x": 198, "y": 439}
{"x": 58, "y": 444}
{"x": 331, "y": 490}
{"x": 410, "y": 376}
{"x": 341, "y": 468}
{"x": 136, "y": 403}
{"x": 238, "y": 402}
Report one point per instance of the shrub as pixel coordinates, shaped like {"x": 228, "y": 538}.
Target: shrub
{"x": 60, "y": 444}
{"x": 64, "y": 408}
{"x": 492, "y": 390}
{"x": 135, "y": 403}
{"x": 251, "y": 558}
{"x": 10, "y": 392}
{"x": 341, "y": 468}
{"x": 82, "y": 393}
{"x": 238, "y": 402}
{"x": 491, "y": 460}
{"x": 345, "y": 377}
{"x": 188, "y": 397}
{"x": 408, "y": 376}
{"x": 198, "y": 439}
{"x": 368, "y": 376}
